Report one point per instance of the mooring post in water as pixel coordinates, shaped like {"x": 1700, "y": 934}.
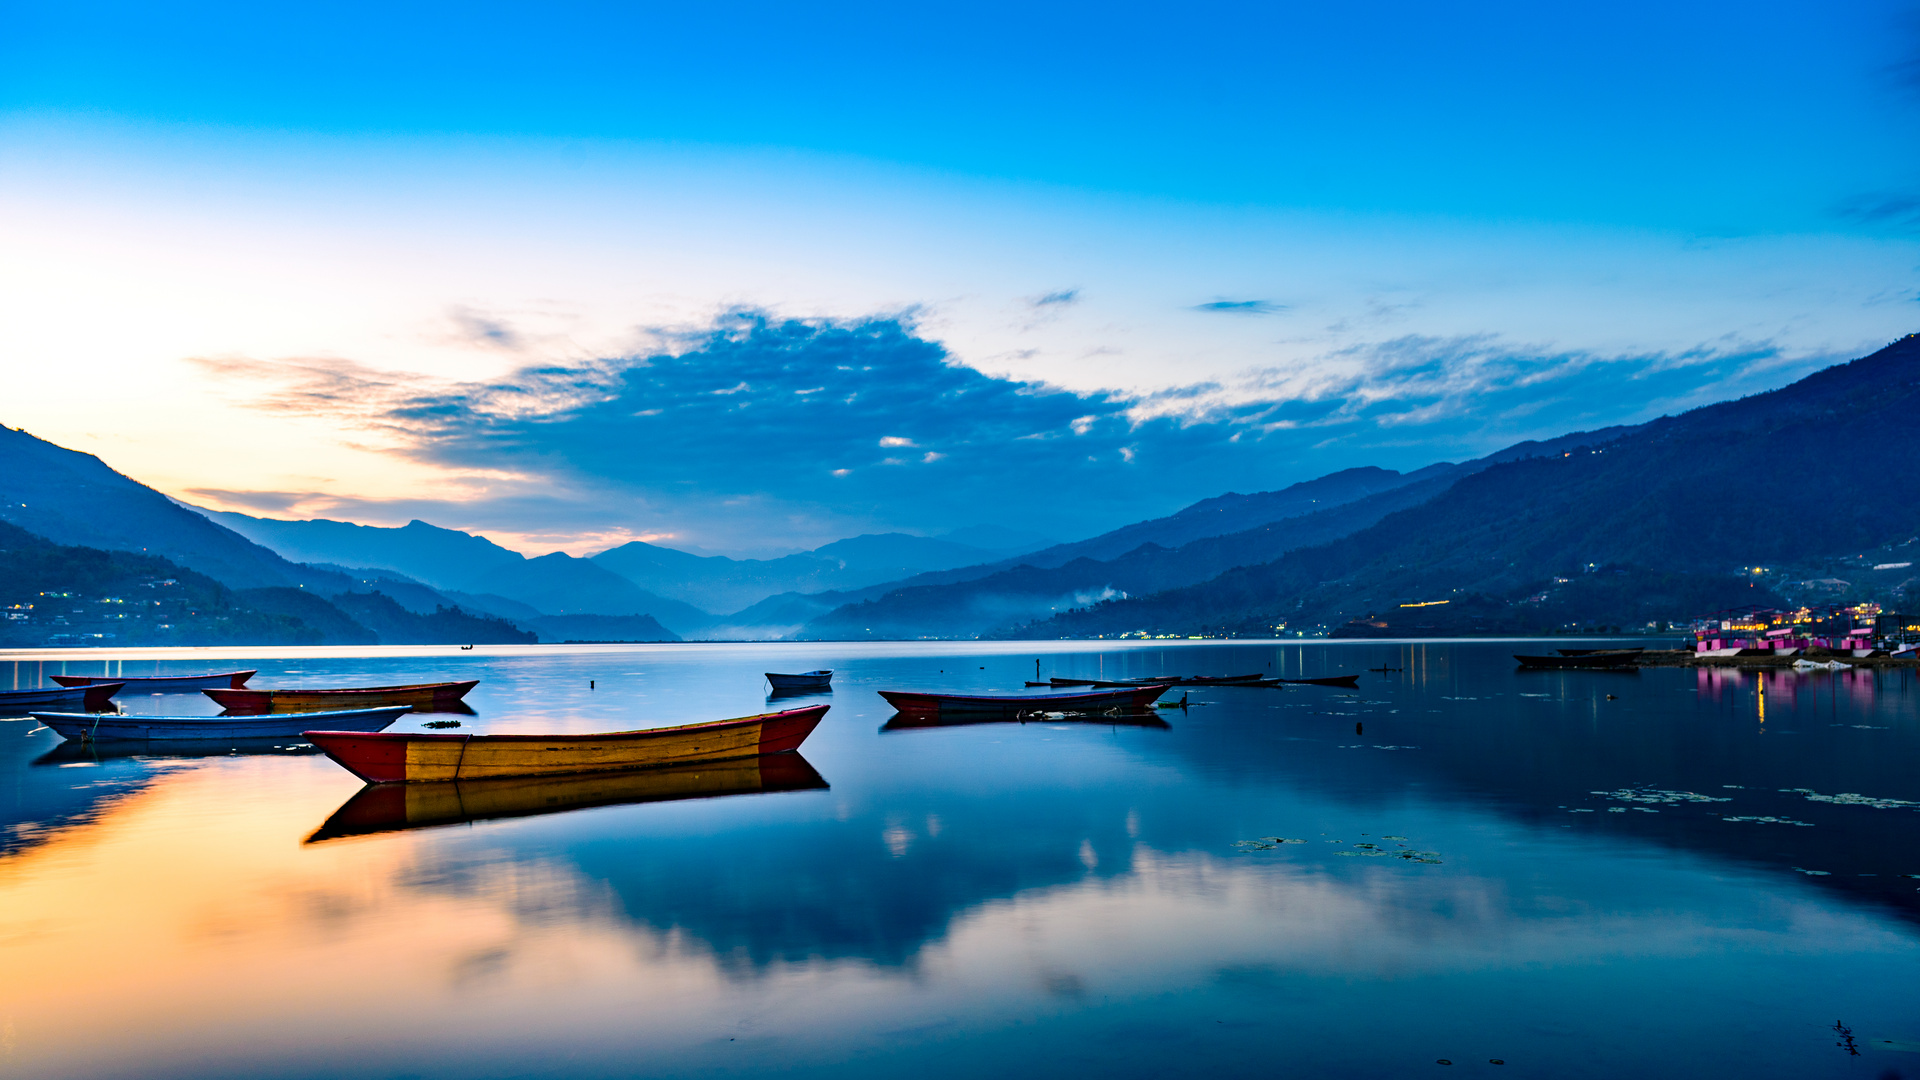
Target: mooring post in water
{"x": 589, "y": 684}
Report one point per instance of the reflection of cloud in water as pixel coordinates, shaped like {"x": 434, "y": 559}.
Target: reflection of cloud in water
{"x": 1186, "y": 917}
{"x": 192, "y": 916}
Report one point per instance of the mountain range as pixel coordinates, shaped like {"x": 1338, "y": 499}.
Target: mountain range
{"x": 1625, "y": 525}
{"x": 1719, "y": 507}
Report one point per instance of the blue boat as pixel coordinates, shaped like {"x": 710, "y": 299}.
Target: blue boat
{"x": 95, "y": 698}
{"x": 121, "y": 727}
{"x": 806, "y": 680}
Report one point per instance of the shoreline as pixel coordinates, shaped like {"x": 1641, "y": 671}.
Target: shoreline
{"x": 1687, "y": 658}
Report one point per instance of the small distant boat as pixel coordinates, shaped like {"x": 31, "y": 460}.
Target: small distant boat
{"x": 1386, "y": 669}
{"x": 1351, "y": 682}
{"x": 1599, "y": 661}
{"x": 921, "y": 721}
{"x": 411, "y": 758}
{"x": 392, "y": 807}
{"x": 144, "y": 684}
{"x": 806, "y": 680}
{"x": 1219, "y": 680}
{"x": 417, "y": 695}
{"x": 1815, "y": 665}
{"x": 1131, "y": 697}
{"x": 121, "y": 727}
{"x": 95, "y": 698}
{"x": 1600, "y": 652}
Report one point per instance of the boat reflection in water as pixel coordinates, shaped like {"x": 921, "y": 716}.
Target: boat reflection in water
{"x": 78, "y": 752}
{"x": 379, "y": 808}
{"x": 1131, "y": 718}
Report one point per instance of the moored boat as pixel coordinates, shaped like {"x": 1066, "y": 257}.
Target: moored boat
{"x": 96, "y": 698}
{"x": 391, "y": 807}
{"x": 410, "y": 757}
{"x": 416, "y": 695}
{"x": 139, "y": 684}
{"x": 1132, "y": 697}
{"x": 806, "y": 680}
{"x": 1350, "y": 682}
{"x": 114, "y": 727}
{"x": 1599, "y": 652}
{"x": 921, "y": 721}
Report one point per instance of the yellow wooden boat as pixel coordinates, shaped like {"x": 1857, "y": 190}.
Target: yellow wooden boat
{"x": 415, "y": 757}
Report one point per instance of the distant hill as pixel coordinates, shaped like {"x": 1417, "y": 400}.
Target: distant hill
{"x": 564, "y": 628}
{"x": 1234, "y": 513}
{"x": 961, "y": 603}
{"x": 56, "y": 594}
{"x": 460, "y": 566}
{"x": 1678, "y": 506}
{"x": 442, "y": 558}
{"x": 717, "y": 583}
{"x": 74, "y": 498}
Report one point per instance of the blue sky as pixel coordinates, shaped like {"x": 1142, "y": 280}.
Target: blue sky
{"x": 1256, "y": 243}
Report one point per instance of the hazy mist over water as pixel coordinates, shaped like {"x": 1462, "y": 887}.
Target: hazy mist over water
{"x": 1576, "y": 873}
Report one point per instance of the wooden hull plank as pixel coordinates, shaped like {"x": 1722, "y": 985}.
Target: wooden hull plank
{"x": 421, "y": 696}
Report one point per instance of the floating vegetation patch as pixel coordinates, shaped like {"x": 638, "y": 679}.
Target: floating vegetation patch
{"x": 1767, "y": 819}
{"x": 1814, "y": 873}
{"x": 1370, "y": 746}
{"x": 1656, "y": 796}
{"x": 442, "y": 723}
{"x": 1268, "y": 843}
{"x": 1361, "y": 849}
{"x": 1848, "y": 798}
{"x": 1375, "y": 851}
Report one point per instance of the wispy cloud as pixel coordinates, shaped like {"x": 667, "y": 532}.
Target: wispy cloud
{"x": 1892, "y": 212}
{"x": 1060, "y": 298}
{"x": 481, "y": 329}
{"x": 1241, "y": 307}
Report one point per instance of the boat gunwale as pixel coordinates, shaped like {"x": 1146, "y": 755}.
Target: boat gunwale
{"x": 436, "y": 686}
{"x": 236, "y": 720}
{"x": 519, "y": 737}
{"x": 1022, "y": 699}
{"x": 82, "y": 681}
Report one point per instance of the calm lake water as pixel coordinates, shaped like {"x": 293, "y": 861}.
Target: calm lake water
{"x": 1576, "y": 874}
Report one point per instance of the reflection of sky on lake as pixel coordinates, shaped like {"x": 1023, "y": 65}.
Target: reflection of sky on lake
{"x": 1010, "y": 898}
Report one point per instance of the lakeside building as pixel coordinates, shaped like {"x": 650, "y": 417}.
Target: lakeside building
{"x": 1849, "y": 629}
